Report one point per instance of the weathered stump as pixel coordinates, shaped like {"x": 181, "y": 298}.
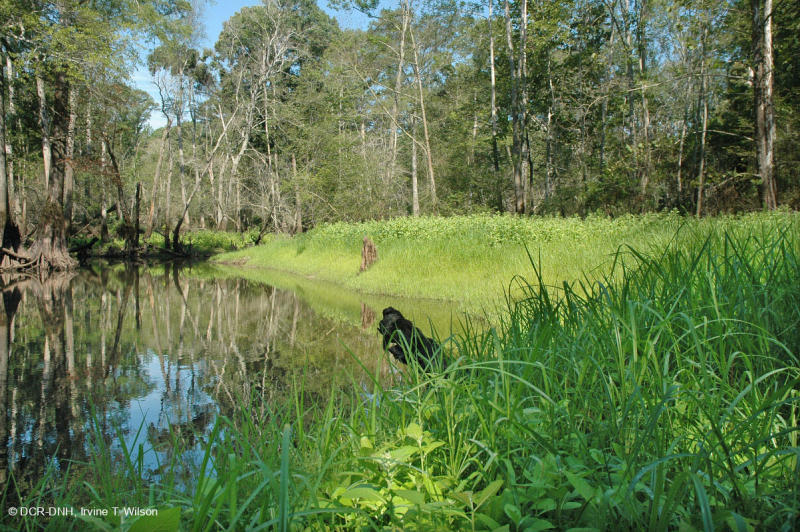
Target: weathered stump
{"x": 369, "y": 254}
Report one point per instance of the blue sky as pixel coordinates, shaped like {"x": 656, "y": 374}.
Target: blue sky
{"x": 216, "y": 14}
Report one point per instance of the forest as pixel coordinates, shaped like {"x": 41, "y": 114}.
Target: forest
{"x": 436, "y": 108}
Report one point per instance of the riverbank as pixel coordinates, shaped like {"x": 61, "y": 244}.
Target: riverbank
{"x": 476, "y": 260}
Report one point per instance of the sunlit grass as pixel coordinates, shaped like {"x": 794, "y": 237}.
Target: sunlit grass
{"x": 470, "y": 259}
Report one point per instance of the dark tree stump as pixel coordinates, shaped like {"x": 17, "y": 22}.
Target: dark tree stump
{"x": 369, "y": 254}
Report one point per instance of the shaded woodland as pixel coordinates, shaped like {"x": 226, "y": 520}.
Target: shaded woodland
{"x": 437, "y": 107}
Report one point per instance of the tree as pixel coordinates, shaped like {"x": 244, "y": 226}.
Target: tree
{"x": 54, "y": 42}
{"x": 764, "y": 99}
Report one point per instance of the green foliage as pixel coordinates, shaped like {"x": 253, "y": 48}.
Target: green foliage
{"x": 661, "y": 396}
{"x": 470, "y": 259}
{"x": 205, "y": 242}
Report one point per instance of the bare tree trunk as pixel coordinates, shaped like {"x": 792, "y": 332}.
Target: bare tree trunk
{"x": 763, "y": 95}
{"x": 198, "y": 177}
{"x": 680, "y": 151}
{"x": 471, "y": 158}
{"x": 235, "y": 164}
{"x": 89, "y": 152}
{"x": 181, "y": 162}
{"x": 176, "y": 245}
{"x": 429, "y": 153}
{"x": 152, "y": 210}
{"x": 219, "y": 217}
{"x": 414, "y": 181}
{"x": 495, "y": 152}
{"x": 136, "y": 222}
{"x": 550, "y": 144}
{"x": 4, "y": 203}
{"x": 13, "y": 198}
{"x": 49, "y": 250}
{"x": 298, "y": 208}
{"x": 116, "y": 177}
{"x": 273, "y": 192}
{"x": 704, "y": 95}
{"x": 398, "y": 86}
{"x": 44, "y": 123}
{"x": 642, "y": 45}
{"x": 69, "y": 171}
{"x": 103, "y": 206}
{"x": 168, "y": 199}
{"x": 604, "y": 110}
{"x": 519, "y": 205}
{"x": 522, "y": 76}
{"x": 89, "y": 124}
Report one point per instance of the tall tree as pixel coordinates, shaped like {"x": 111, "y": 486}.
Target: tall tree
{"x": 764, "y": 99}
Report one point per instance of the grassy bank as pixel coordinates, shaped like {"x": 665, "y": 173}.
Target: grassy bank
{"x": 662, "y": 397}
{"x": 472, "y": 259}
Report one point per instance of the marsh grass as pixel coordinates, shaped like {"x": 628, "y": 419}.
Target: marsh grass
{"x": 470, "y": 259}
{"x": 660, "y": 395}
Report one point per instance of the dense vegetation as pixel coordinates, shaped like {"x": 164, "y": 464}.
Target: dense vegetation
{"x": 661, "y": 397}
{"x": 474, "y": 259}
{"x": 435, "y": 107}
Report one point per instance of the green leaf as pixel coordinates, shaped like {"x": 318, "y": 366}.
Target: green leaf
{"x": 403, "y": 453}
{"x": 98, "y": 523}
{"x": 414, "y": 431}
{"x": 513, "y": 513}
{"x": 414, "y": 497}
{"x": 431, "y": 446}
{"x": 545, "y": 505}
{"x": 537, "y": 525}
{"x": 166, "y": 520}
{"x": 488, "y": 521}
{"x": 464, "y": 497}
{"x": 741, "y": 524}
{"x": 581, "y": 486}
{"x": 363, "y": 492}
{"x": 490, "y": 490}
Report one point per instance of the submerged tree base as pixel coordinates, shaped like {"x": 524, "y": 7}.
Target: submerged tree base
{"x": 49, "y": 251}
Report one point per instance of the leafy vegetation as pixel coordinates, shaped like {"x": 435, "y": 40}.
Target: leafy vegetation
{"x": 662, "y": 395}
{"x": 471, "y": 259}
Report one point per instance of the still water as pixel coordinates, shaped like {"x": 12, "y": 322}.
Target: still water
{"x": 136, "y": 355}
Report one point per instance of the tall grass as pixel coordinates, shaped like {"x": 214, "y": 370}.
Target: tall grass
{"x": 470, "y": 259}
{"x": 662, "y": 395}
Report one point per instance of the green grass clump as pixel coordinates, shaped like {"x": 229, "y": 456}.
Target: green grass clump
{"x": 662, "y": 395}
{"x": 470, "y": 259}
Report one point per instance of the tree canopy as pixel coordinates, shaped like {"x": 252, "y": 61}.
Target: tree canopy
{"x": 436, "y": 107}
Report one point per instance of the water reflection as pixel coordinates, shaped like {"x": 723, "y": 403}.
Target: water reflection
{"x": 155, "y": 354}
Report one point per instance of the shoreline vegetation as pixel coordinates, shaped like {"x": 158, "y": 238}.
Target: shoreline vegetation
{"x": 657, "y": 390}
{"x": 477, "y": 260}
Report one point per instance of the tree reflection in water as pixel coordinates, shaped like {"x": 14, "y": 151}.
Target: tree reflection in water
{"x": 177, "y": 347}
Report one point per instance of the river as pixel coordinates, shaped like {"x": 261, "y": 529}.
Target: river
{"x": 146, "y": 358}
